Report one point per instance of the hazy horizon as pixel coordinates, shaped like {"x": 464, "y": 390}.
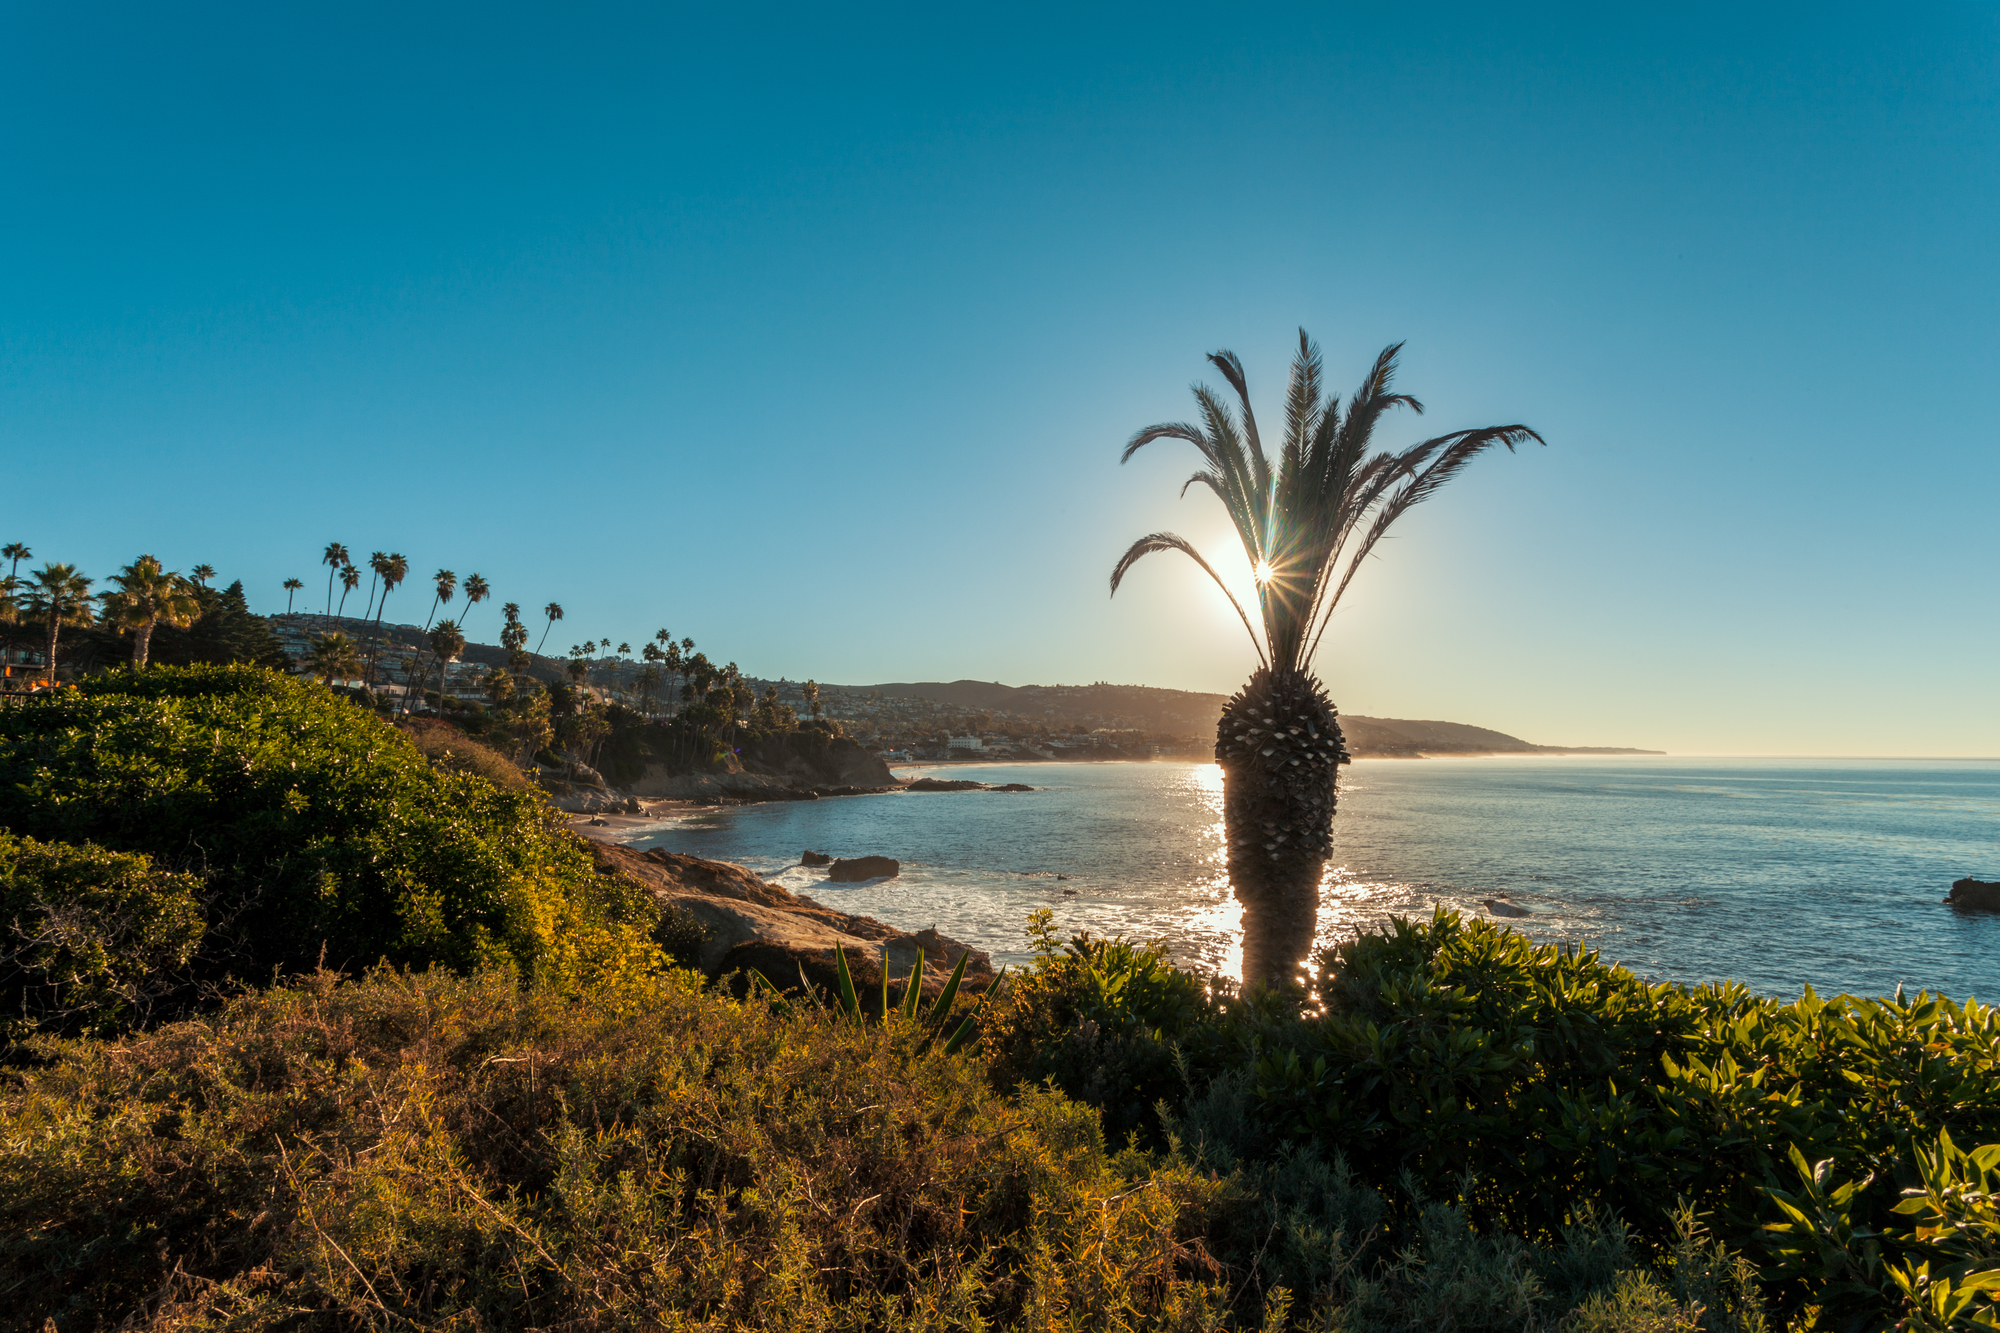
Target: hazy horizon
{"x": 815, "y": 336}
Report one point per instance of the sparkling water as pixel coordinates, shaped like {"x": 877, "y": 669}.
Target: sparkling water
{"x": 1772, "y": 872}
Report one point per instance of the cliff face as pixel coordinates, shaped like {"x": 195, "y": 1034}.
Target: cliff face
{"x": 814, "y": 759}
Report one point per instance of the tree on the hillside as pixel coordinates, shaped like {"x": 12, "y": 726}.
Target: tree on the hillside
{"x": 811, "y": 692}
{"x": 15, "y": 552}
{"x": 350, "y": 579}
{"x": 445, "y": 583}
{"x": 375, "y": 563}
{"x": 57, "y": 595}
{"x": 148, "y": 596}
{"x": 201, "y": 574}
{"x": 554, "y": 612}
{"x": 476, "y": 591}
{"x": 1306, "y": 520}
{"x": 292, "y": 587}
{"x": 447, "y": 642}
{"x": 648, "y": 683}
{"x": 334, "y": 658}
{"x": 499, "y": 686}
{"x": 335, "y": 558}
{"x": 391, "y": 570}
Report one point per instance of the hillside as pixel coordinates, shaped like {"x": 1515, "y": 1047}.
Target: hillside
{"x": 1182, "y": 712}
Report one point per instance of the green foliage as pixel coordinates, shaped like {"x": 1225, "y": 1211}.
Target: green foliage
{"x": 316, "y": 830}
{"x": 1100, "y": 1018}
{"x": 432, "y": 1151}
{"x": 87, "y": 936}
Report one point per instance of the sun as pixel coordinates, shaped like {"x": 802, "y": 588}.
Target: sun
{"x": 1262, "y": 573}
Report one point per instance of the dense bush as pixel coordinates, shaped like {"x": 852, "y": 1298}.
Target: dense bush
{"x": 316, "y": 830}
{"x": 432, "y": 1151}
{"x": 88, "y": 937}
{"x": 1456, "y": 1060}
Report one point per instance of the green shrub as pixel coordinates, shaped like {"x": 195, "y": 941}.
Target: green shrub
{"x": 452, "y": 750}
{"x": 317, "y": 831}
{"x": 88, "y": 937}
{"x": 433, "y": 1151}
{"x": 1100, "y": 1019}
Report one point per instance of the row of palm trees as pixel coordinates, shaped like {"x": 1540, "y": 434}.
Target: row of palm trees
{"x": 144, "y": 596}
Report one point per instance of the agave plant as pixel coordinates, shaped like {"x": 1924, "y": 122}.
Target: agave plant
{"x": 1306, "y": 523}
{"x": 848, "y": 1002}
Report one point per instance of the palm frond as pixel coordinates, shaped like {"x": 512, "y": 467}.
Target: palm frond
{"x": 1167, "y": 541}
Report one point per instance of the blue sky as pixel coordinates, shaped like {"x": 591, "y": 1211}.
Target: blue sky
{"x": 814, "y": 335}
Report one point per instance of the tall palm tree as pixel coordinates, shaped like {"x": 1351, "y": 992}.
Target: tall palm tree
{"x": 350, "y": 579}
{"x": 445, "y": 582}
{"x": 57, "y": 595}
{"x": 202, "y": 574}
{"x": 375, "y": 563}
{"x": 554, "y": 612}
{"x": 149, "y": 596}
{"x": 335, "y": 558}
{"x": 392, "y": 570}
{"x": 476, "y": 590}
{"x": 16, "y": 552}
{"x": 1307, "y": 522}
{"x": 292, "y": 587}
{"x": 446, "y": 644}
{"x": 334, "y": 658}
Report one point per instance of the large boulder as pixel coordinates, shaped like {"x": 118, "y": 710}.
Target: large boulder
{"x": 1975, "y": 895}
{"x": 944, "y": 784}
{"x": 859, "y": 868}
{"x": 812, "y": 858}
{"x": 756, "y": 924}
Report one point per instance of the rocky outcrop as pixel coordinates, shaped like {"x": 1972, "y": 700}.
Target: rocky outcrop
{"x": 857, "y": 869}
{"x": 755, "y": 924}
{"x": 945, "y": 784}
{"x": 1498, "y": 908}
{"x": 591, "y": 801}
{"x": 815, "y": 859}
{"x": 1975, "y": 895}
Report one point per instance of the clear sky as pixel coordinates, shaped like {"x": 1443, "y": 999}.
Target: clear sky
{"x": 814, "y": 333}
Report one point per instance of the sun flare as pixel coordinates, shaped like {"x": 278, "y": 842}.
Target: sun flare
{"x": 1262, "y": 573}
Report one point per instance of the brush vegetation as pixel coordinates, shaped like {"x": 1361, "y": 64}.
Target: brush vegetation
{"x": 499, "y": 1105}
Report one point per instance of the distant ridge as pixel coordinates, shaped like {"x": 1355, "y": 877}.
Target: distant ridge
{"x": 1186, "y": 712}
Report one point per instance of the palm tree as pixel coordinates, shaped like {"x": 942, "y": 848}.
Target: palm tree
{"x": 499, "y": 686}
{"x": 16, "y": 552}
{"x": 335, "y": 558}
{"x": 476, "y": 591}
{"x": 334, "y": 658}
{"x": 149, "y": 596}
{"x": 445, "y": 582}
{"x": 202, "y": 574}
{"x": 350, "y": 579}
{"x": 810, "y": 691}
{"x": 375, "y": 563}
{"x": 57, "y": 596}
{"x": 1306, "y": 526}
{"x": 446, "y": 644}
{"x": 392, "y": 570}
{"x": 554, "y": 612}
{"x": 292, "y": 587}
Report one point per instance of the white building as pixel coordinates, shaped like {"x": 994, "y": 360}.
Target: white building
{"x": 965, "y": 743}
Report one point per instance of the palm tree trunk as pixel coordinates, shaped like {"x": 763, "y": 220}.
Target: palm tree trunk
{"x": 142, "y": 645}
{"x": 55, "y": 626}
{"x": 1280, "y": 748}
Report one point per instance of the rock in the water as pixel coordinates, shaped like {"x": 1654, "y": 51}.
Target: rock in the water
{"x": 815, "y": 859}
{"x": 853, "y": 871}
{"x": 944, "y": 784}
{"x": 1012, "y": 786}
{"x": 1499, "y": 908}
{"x": 1975, "y": 894}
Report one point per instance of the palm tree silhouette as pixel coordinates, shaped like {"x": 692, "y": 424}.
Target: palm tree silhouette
{"x": 202, "y": 574}
{"x": 446, "y": 643}
{"x": 554, "y": 612}
{"x": 292, "y": 587}
{"x": 57, "y": 595}
{"x": 476, "y": 591}
{"x": 148, "y": 596}
{"x": 335, "y": 558}
{"x": 333, "y": 657}
{"x": 444, "y": 581}
{"x": 1306, "y": 525}
{"x": 392, "y": 570}
{"x": 375, "y": 563}
{"x": 16, "y": 552}
{"x": 350, "y": 579}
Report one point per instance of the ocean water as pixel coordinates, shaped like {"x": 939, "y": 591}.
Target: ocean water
{"x": 1775, "y": 873}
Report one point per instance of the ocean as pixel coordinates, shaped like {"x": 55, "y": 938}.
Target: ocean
{"x": 1776, "y": 873}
